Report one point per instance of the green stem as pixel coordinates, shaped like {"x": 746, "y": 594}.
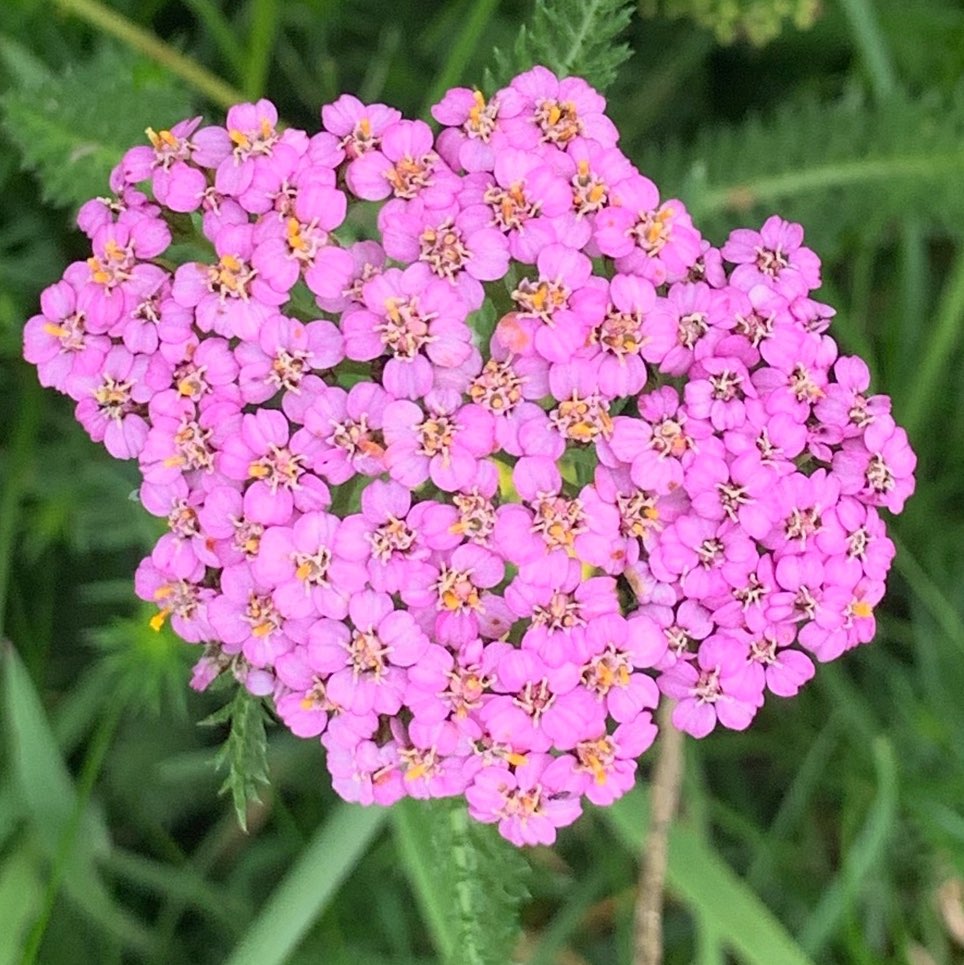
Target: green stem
{"x": 942, "y": 342}
{"x": 872, "y": 46}
{"x": 110, "y": 22}
{"x": 222, "y": 32}
{"x": 264, "y": 29}
{"x": 944, "y": 612}
{"x": 480, "y": 12}
{"x": 93, "y": 763}
{"x": 741, "y": 196}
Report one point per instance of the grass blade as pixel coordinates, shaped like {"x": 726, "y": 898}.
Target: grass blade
{"x": 726, "y": 906}
{"x": 309, "y": 886}
{"x": 861, "y": 858}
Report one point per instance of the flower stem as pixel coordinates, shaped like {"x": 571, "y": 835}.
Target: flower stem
{"x": 110, "y": 22}
{"x": 664, "y": 797}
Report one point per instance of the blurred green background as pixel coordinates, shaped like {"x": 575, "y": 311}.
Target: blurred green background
{"x": 832, "y": 831}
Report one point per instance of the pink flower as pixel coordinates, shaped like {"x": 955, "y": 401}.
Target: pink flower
{"x": 774, "y": 257}
{"x": 529, "y": 803}
{"x": 366, "y": 661}
{"x": 657, "y": 241}
{"x": 444, "y": 446}
{"x": 718, "y": 687}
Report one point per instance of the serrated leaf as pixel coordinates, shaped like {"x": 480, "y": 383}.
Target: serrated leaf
{"x": 74, "y": 128}
{"x": 469, "y": 882}
{"x": 573, "y": 38}
{"x": 245, "y": 751}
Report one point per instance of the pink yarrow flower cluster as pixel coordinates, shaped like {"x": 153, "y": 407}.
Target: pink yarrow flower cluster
{"x": 469, "y": 533}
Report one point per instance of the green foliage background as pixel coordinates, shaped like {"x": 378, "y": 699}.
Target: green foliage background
{"x": 824, "y": 834}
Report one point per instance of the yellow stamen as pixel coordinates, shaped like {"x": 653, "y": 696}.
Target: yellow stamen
{"x": 303, "y": 571}
{"x": 58, "y": 331}
{"x": 414, "y": 773}
{"x": 157, "y": 621}
{"x": 262, "y": 629}
{"x": 258, "y": 470}
{"x": 239, "y": 138}
{"x": 516, "y": 759}
{"x": 862, "y": 609}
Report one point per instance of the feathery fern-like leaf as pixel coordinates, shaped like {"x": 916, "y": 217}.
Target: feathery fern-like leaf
{"x": 758, "y": 21}
{"x": 245, "y": 751}
{"x": 72, "y": 129}
{"x": 470, "y": 883}
{"x": 571, "y": 38}
{"x": 844, "y": 168}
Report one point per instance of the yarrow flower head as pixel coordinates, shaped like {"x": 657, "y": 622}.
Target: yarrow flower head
{"x": 472, "y": 551}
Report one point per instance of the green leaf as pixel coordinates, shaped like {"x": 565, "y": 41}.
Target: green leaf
{"x": 305, "y": 891}
{"x": 51, "y": 800}
{"x": 841, "y": 168}
{"x": 245, "y": 752}
{"x": 572, "y": 38}
{"x": 862, "y": 857}
{"x": 469, "y": 882}
{"x": 73, "y": 128}
{"x": 21, "y": 894}
{"x": 722, "y": 902}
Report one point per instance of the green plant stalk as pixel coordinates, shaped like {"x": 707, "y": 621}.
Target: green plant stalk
{"x": 941, "y": 344}
{"x": 93, "y": 762}
{"x": 872, "y": 45}
{"x": 262, "y": 33}
{"x": 310, "y": 884}
{"x": 861, "y": 858}
{"x": 741, "y": 196}
{"x": 944, "y": 613}
{"x": 221, "y": 31}
{"x": 480, "y": 13}
{"x": 103, "y": 18}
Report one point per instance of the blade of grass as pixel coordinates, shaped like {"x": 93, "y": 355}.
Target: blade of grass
{"x": 21, "y": 893}
{"x": 870, "y": 42}
{"x": 222, "y": 32}
{"x": 70, "y": 833}
{"x": 861, "y": 858}
{"x": 304, "y": 893}
{"x": 93, "y": 762}
{"x": 110, "y": 22}
{"x": 942, "y": 342}
{"x": 478, "y": 13}
{"x": 932, "y": 597}
{"x": 569, "y": 918}
{"x": 794, "y": 802}
{"x": 265, "y": 16}
{"x": 710, "y": 887}
{"x": 182, "y": 883}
